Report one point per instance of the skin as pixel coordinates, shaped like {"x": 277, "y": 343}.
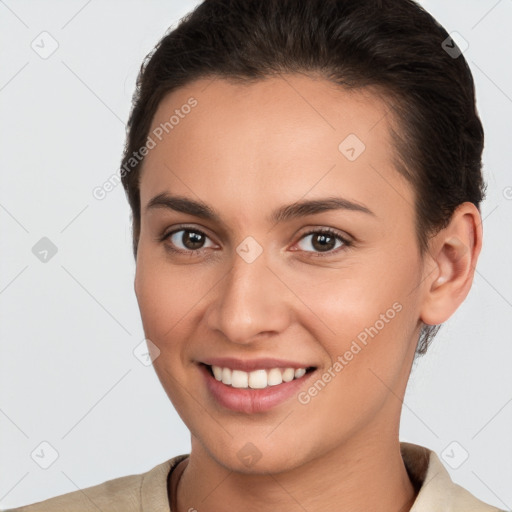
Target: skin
{"x": 246, "y": 150}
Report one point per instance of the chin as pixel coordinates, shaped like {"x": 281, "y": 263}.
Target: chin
{"x": 257, "y": 457}
{"x": 268, "y": 463}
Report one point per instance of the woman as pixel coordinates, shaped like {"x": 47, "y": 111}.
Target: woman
{"x": 305, "y": 181}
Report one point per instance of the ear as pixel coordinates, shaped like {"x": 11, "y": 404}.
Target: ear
{"x": 450, "y": 264}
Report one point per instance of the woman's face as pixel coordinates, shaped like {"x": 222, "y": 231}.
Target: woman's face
{"x": 235, "y": 285}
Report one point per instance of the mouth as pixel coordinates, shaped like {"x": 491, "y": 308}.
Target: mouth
{"x": 256, "y": 379}
{"x": 256, "y": 390}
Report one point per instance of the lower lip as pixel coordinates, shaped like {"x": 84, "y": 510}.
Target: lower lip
{"x": 249, "y": 400}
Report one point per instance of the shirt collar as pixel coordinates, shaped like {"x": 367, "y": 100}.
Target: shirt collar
{"x": 153, "y": 489}
{"x": 437, "y": 491}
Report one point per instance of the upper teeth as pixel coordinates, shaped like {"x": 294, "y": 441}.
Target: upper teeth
{"x": 257, "y": 379}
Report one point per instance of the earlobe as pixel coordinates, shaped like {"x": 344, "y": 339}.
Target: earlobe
{"x": 454, "y": 253}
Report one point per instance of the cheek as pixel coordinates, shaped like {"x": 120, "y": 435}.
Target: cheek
{"x": 347, "y": 300}
{"x": 365, "y": 313}
{"x": 166, "y": 301}
{"x": 166, "y": 296}
{"x": 369, "y": 351}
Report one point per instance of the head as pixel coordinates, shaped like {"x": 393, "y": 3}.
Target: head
{"x": 247, "y": 106}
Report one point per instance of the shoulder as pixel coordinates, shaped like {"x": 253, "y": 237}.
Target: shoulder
{"x": 132, "y": 493}
{"x": 436, "y": 490}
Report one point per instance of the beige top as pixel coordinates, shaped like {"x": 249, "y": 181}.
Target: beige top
{"x": 148, "y": 492}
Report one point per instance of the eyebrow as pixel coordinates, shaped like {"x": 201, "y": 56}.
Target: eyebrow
{"x": 282, "y": 214}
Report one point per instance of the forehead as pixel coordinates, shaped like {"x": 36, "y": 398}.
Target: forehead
{"x": 280, "y": 138}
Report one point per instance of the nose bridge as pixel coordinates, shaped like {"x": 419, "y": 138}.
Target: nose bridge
{"x": 250, "y": 299}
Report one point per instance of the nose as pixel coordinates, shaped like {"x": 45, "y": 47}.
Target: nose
{"x": 250, "y": 302}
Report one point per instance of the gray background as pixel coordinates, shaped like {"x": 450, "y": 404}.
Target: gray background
{"x": 69, "y": 326}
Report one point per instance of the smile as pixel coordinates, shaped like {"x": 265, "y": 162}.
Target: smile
{"x": 253, "y": 390}
{"x": 257, "y": 379}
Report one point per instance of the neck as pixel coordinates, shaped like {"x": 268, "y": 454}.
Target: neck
{"x": 368, "y": 474}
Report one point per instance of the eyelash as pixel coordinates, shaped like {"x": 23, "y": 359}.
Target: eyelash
{"x": 324, "y": 231}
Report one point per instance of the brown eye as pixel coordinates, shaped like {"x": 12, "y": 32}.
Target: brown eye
{"x": 192, "y": 240}
{"x": 187, "y": 240}
{"x": 323, "y": 241}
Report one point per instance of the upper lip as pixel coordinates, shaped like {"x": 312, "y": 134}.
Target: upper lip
{"x": 248, "y": 365}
